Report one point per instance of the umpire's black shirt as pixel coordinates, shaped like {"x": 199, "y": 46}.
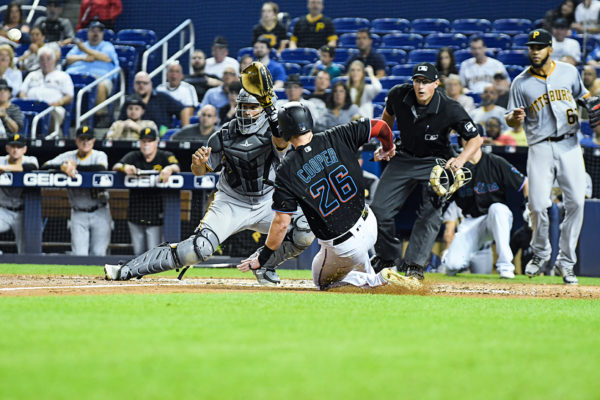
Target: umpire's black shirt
{"x": 425, "y": 130}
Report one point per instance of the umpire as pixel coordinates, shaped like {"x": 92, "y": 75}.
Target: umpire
{"x": 425, "y": 118}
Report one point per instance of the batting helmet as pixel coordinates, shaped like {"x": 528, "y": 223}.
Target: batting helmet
{"x": 294, "y": 120}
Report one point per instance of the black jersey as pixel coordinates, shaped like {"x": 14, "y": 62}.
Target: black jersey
{"x": 275, "y": 35}
{"x": 309, "y": 32}
{"x": 492, "y": 175}
{"x": 324, "y": 177}
{"x": 427, "y": 133}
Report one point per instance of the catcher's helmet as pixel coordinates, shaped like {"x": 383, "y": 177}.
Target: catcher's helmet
{"x": 294, "y": 120}
{"x": 249, "y": 122}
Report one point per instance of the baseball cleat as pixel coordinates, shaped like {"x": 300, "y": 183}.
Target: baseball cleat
{"x": 112, "y": 272}
{"x": 568, "y": 275}
{"x": 535, "y": 266}
{"x": 379, "y": 264}
{"x": 415, "y": 271}
{"x": 266, "y": 277}
{"x": 506, "y": 274}
{"x": 394, "y": 278}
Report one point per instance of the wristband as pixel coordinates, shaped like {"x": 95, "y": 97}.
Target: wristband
{"x": 264, "y": 255}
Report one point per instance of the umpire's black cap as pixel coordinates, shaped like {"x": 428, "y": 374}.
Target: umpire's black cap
{"x": 294, "y": 120}
{"x": 540, "y": 37}
{"x": 426, "y": 70}
{"x": 85, "y": 131}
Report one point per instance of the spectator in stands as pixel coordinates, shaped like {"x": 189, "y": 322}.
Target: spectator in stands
{"x": 445, "y": 63}
{"x": 130, "y": 128}
{"x": 90, "y": 215}
{"x": 454, "y": 90}
{"x": 294, "y": 91}
{"x": 590, "y": 80}
{"x": 11, "y": 117}
{"x": 565, "y": 10}
{"x": 518, "y": 133}
{"x": 270, "y": 27}
{"x": 368, "y": 56}
{"x": 322, "y": 84}
{"x": 29, "y": 61}
{"x": 502, "y": 85}
{"x": 96, "y": 57}
{"x": 563, "y": 45}
{"x": 201, "y": 131}
{"x": 340, "y": 109}
{"x": 198, "y": 78}
{"x": 594, "y": 57}
{"x": 261, "y": 52}
{"x": 326, "y": 56}
{"x": 49, "y": 84}
{"x": 217, "y": 64}
{"x": 144, "y": 214}
{"x": 586, "y": 17}
{"x": 217, "y": 96}
{"x": 8, "y": 72}
{"x": 361, "y": 92}
{"x": 160, "y": 107}
{"x": 227, "y": 112}
{"x": 568, "y": 60}
{"x": 494, "y": 135}
{"x": 245, "y": 61}
{"x": 489, "y": 108}
{"x": 314, "y": 30}
{"x": 181, "y": 91}
{"x": 477, "y": 72}
{"x": 53, "y": 26}
{"x": 106, "y": 11}
{"x": 13, "y": 19}
{"x": 11, "y": 198}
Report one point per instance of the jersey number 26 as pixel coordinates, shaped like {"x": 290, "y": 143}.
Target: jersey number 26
{"x": 338, "y": 187}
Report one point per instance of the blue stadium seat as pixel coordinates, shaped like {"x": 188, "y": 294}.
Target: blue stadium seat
{"x": 383, "y": 26}
{"x": 389, "y": 82}
{"x": 292, "y": 23}
{"x": 167, "y": 135}
{"x": 280, "y": 93}
{"x": 380, "y": 98}
{"x": 345, "y": 80}
{"x": 21, "y": 49}
{"x": 393, "y": 56}
{"x": 345, "y": 25}
{"x": 465, "y": 54}
{"x": 378, "y": 110}
{"x": 109, "y": 34}
{"x": 404, "y": 41}
{"x": 194, "y": 119}
{"x": 590, "y": 42}
{"x": 128, "y": 60}
{"x": 403, "y": 69}
{"x": 512, "y": 26}
{"x": 292, "y": 68}
{"x": 300, "y": 56}
{"x": 586, "y": 129}
{"x": 30, "y": 109}
{"x": 89, "y": 99}
{"x": 439, "y": 40}
{"x": 308, "y": 82}
{"x": 513, "y": 57}
{"x": 500, "y": 41}
{"x": 514, "y": 70}
{"x": 468, "y": 26}
{"x": 538, "y": 23}
{"x": 140, "y": 39}
{"x": 476, "y": 98}
{"x": 342, "y": 55}
{"x": 422, "y": 55}
{"x": 427, "y": 26}
{"x": 520, "y": 40}
{"x": 349, "y": 40}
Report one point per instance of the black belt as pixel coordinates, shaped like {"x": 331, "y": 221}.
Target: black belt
{"x": 15, "y": 209}
{"x": 559, "y": 138}
{"x": 89, "y": 210}
{"x": 348, "y": 235}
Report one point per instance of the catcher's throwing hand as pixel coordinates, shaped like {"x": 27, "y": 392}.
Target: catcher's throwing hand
{"x": 454, "y": 164}
{"x": 519, "y": 114}
{"x": 200, "y": 157}
{"x": 381, "y": 155}
{"x": 249, "y": 264}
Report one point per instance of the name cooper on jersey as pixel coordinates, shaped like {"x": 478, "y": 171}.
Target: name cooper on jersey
{"x": 317, "y": 164}
{"x": 546, "y": 98}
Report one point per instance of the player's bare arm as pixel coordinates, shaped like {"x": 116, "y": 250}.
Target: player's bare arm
{"x": 69, "y": 167}
{"x": 277, "y": 233}
{"x": 167, "y": 171}
{"x": 128, "y": 169}
{"x": 516, "y": 118}
{"x": 199, "y": 160}
{"x": 468, "y": 152}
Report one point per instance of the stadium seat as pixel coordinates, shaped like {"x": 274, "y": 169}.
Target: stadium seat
{"x": 292, "y": 23}
{"x": 349, "y": 40}
{"x": 439, "y": 40}
{"x": 194, "y": 119}
{"x": 427, "y": 26}
{"x": 380, "y": 98}
{"x": 465, "y": 54}
{"x": 514, "y": 70}
{"x": 538, "y": 23}
{"x": 308, "y": 82}
{"x": 292, "y": 68}
{"x": 586, "y": 129}
{"x": 30, "y": 109}
{"x": 128, "y": 60}
{"x": 345, "y": 80}
{"x": 389, "y": 82}
{"x": 422, "y": 55}
{"x": 300, "y": 56}
{"x": 393, "y": 56}
{"x": 590, "y": 42}
{"x": 378, "y": 110}
{"x": 404, "y": 41}
{"x": 167, "y": 135}
{"x": 519, "y": 40}
{"x": 468, "y": 26}
{"x": 346, "y": 25}
{"x": 89, "y": 99}
{"x": 403, "y": 69}
{"x": 21, "y": 49}
{"x": 342, "y": 55}
{"x": 514, "y": 57}
{"x": 280, "y": 93}
{"x": 384, "y": 26}
{"x": 499, "y": 41}
{"x": 476, "y": 98}
{"x": 109, "y": 35}
{"x": 512, "y": 26}
{"x": 140, "y": 39}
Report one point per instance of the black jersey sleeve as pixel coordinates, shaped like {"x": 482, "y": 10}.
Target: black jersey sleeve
{"x": 511, "y": 176}
{"x": 461, "y": 122}
{"x": 283, "y": 199}
{"x": 353, "y": 134}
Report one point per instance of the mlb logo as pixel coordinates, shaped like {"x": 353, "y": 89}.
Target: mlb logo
{"x": 204, "y": 182}
{"x": 102, "y": 180}
{"x": 422, "y": 68}
{"x": 6, "y": 179}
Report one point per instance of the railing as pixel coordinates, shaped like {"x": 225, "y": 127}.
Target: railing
{"x": 164, "y": 44}
{"x": 36, "y": 120}
{"x": 32, "y": 9}
{"x": 120, "y": 95}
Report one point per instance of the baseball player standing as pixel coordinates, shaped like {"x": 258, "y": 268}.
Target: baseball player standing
{"x": 90, "y": 215}
{"x": 323, "y": 176}
{"x": 544, "y": 97}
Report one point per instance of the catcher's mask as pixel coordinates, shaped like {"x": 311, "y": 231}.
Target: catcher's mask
{"x": 249, "y": 114}
{"x": 294, "y": 120}
{"x": 445, "y": 182}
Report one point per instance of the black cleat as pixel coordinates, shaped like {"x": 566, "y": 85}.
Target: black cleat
{"x": 379, "y": 264}
{"x": 415, "y": 271}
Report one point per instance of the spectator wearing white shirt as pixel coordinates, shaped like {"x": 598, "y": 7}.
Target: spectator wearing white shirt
{"x": 8, "y": 72}
{"x": 180, "y": 90}
{"x": 361, "y": 92}
{"x": 478, "y": 72}
{"x": 563, "y": 45}
{"x": 216, "y": 64}
{"x": 488, "y": 108}
{"x": 586, "y": 17}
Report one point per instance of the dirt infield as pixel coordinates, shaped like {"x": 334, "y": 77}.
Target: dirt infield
{"x": 64, "y": 285}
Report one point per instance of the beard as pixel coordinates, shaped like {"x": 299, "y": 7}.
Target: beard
{"x": 541, "y": 63}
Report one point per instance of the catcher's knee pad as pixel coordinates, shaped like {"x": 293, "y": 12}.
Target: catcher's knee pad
{"x": 295, "y": 242}
{"x": 197, "y": 248}
{"x": 300, "y": 234}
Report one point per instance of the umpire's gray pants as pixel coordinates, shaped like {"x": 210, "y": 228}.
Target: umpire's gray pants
{"x": 13, "y": 220}
{"x": 90, "y": 232}
{"x": 144, "y": 237}
{"x": 402, "y": 175}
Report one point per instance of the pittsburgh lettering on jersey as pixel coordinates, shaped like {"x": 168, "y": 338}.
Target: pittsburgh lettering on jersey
{"x": 546, "y": 98}
{"x": 316, "y": 164}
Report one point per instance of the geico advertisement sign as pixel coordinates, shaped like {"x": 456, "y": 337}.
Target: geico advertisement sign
{"x": 148, "y": 181}
{"x": 53, "y": 180}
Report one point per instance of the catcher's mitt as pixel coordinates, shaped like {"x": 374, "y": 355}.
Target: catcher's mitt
{"x": 446, "y": 182}
{"x": 592, "y": 105}
{"x": 256, "y": 80}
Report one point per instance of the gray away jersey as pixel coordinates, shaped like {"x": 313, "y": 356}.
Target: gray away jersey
{"x": 550, "y": 102}
{"x": 13, "y": 197}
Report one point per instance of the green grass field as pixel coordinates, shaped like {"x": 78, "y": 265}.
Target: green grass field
{"x": 249, "y": 345}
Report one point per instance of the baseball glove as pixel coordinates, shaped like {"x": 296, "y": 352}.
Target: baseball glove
{"x": 445, "y": 182}
{"x": 592, "y": 105}
{"x": 256, "y": 80}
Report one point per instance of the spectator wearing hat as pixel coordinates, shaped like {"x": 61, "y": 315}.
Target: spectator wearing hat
{"x": 160, "y": 107}
{"x": 11, "y": 199}
{"x": 325, "y": 63}
{"x": 198, "y": 78}
{"x": 96, "y": 57}
{"x": 90, "y": 215}
{"x": 563, "y": 45}
{"x": 217, "y": 96}
{"x": 294, "y": 91}
{"x": 201, "y": 131}
{"x": 130, "y": 128}
{"x": 314, "y": 30}
{"x": 368, "y": 56}
{"x": 49, "y": 84}
{"x": 262, "y": 48}
{"x": 53, "y": 26}
{"x": 145, "y": 211}
{"x": 11, "y": 117}
{"x": 106, "y": 11}
{"x": 220, "y": 60}
{"x": 502, "y": 85}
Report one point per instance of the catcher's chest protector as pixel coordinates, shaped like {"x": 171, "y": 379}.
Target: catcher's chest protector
{"x": 248, "y": 159}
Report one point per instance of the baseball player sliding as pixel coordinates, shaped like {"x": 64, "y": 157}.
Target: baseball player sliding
{"x": 544, "y": 97}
